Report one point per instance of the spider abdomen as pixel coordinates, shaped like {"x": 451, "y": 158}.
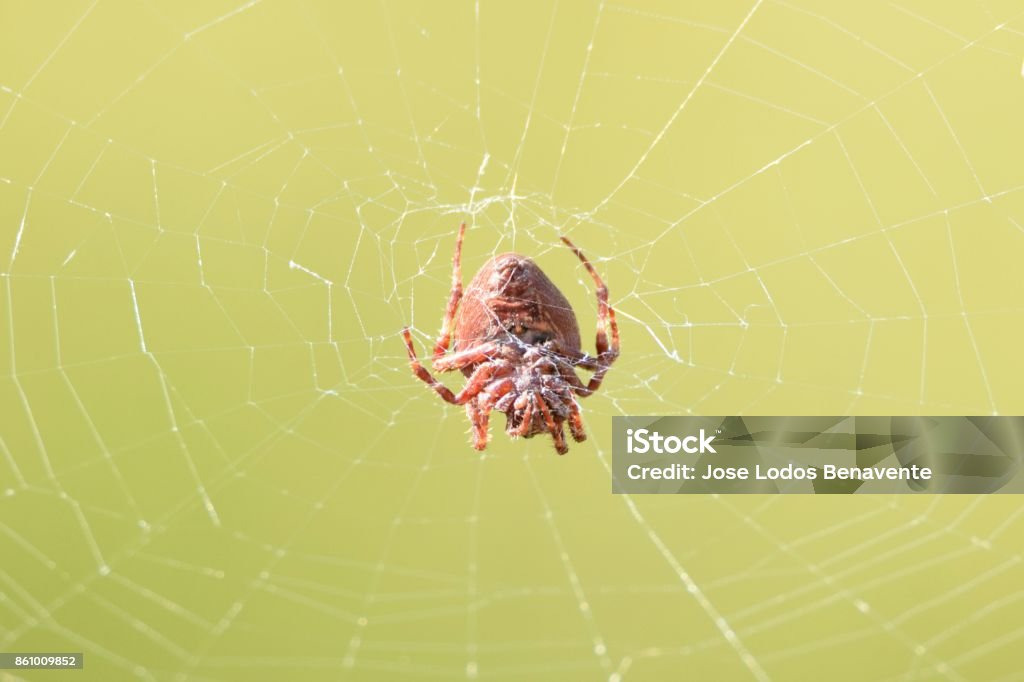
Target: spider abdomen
{"x": 511, "y": 295}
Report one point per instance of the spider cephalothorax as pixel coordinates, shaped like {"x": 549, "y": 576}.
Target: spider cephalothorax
{"x": 518, "y": 342}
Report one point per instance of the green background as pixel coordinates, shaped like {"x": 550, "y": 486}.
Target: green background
{"x": 215, "y": 218}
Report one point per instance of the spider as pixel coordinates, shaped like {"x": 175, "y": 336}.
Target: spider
{"x": 518, "y": 342}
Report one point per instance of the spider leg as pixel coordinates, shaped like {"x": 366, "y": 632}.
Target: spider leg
{"x": 605, "y": 357}
{"x": 605, "y": 322}
{"x": 554, "y": 428}
{"x": 576, "y": 422}
{"x": 567, "y": 372}
{"x": 465, "y": 358}
{"x": 480, "y": 410}
{"x": 576, "y": 359}
{"x": 480, "y": 377}
{"x": 479, "y": 422}
{"x": 524, "y": 426}
{"x": 441, "y": 347}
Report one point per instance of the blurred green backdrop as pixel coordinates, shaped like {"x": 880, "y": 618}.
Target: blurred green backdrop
{"x": 216, "y": 217}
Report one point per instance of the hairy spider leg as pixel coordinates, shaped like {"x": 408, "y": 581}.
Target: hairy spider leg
{"x": 479, "y": 436}
{"x": 555, "y": 429}
{"x": 477, "y": 381}
{"x": 576, "y": 422}
{"x": 567, "y": 370}
{"x": 466, "y": 358}
{"x": 605, "y": 321}
{"x": 527, "y": 420}
{"x": 606, "y": 356}
{"x": 524, "y": 426}
{"x": 453, "y": 299}
{"x": 480, "y": 409}
{"x": 568, "y": 373}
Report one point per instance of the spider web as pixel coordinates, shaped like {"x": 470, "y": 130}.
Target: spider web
{"x": 215, "y": 464}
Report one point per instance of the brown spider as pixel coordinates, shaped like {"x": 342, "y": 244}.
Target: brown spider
{"x": 518, "y": 342}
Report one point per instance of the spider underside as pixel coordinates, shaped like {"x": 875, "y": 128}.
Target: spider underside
{"x": 518, "y": 342}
